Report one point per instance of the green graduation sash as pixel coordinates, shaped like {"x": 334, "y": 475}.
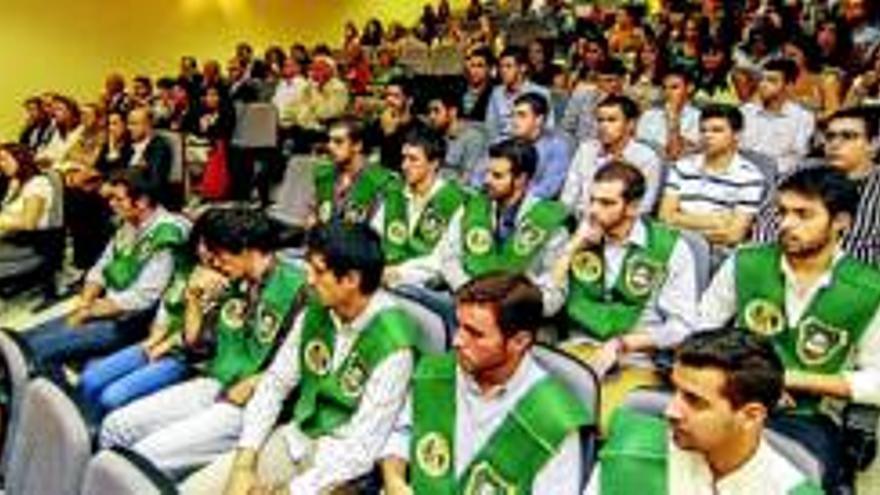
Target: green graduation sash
{"x": 368, "y": 188}
{"x": 534, "y": 230}
{"x": 399, "y": 244}
{"x": 246, "y": 336}
{"x": 824, "y": 338}
{"x": 509, "y": 461}
{"x": 128, "y": 260}
{"x": 606, "y": 313}
{"x": 328, "y": 398}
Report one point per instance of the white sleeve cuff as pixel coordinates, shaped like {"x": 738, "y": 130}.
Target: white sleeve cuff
{"x": 864, "y": 386}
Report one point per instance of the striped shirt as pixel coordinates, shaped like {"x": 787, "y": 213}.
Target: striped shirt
{"x": 863, "y": 239}
{"x": 739, "y": 188}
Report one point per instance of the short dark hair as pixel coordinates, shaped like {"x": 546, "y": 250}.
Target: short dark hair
{"x": 870, "y": 116}
{"x": 483, "y": 52}
{"x": 519, "y": 152}
{"x": 449, "y": 98}
{"x": 349, "y": 247}
{"x": 786, "y": 66}
{"x": 679, "y": 70}
{"x": 138, "y": 184}
{"x": 429, "y": 140}
{"x": 515, "y": 52}
{"x": 239, "y": 228}
{"x": 353, "y": 126}
{"x": 612, "y": 66}
{"x": 723, "y": 111}
{"x": 145, "y": 80}
{"x": 516, "y": 301}
{"x": 753, "y": 371}
{"x": 404, "y": 83}
{"x": 626, "y": 105}
{"x": 633, "y": 179}
{"x": 838, "y": 193}
{"x": 536, "y": 101}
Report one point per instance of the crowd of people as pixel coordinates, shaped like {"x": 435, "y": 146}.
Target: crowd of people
{"x": 680, "y": 195}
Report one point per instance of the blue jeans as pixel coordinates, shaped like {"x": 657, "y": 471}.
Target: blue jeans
{"x": 54, "y": 343}
{"x": 125, "y": 375}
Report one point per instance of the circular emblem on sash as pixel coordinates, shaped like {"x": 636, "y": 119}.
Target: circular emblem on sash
{"x": 818, "y": 342}
{"x": 354, "y": 214}
{"x": 527, "y": 238}
{"x": 433, "y": 454}
{"x": 586, "y": 266}
{"x": 431, "y": 225}
{"x": 267, "y": 326}
{"x": 232, "y": 313}
{"x": 764, "y": 317}
{"x": 317, "y": 357}
{"x": 396, "y": 232}
{"x": 353, "y": 379}
{"x": 641, "y": 276}
{"x": 478, "y": 241}
{"x": 325, "y": 211}
{"x": 485, "y": 480}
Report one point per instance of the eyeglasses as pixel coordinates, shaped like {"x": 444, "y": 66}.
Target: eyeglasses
{"x": 842, "y": 135}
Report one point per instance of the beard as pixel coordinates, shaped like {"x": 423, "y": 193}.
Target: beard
{"x": 803, "y": 248}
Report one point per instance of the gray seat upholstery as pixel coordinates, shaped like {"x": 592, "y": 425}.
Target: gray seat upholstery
{"x": 51, "y": 444}
{"x": 123, "y": 472}
{"x": 434, "y": 330}
{"x": 256, "y": 127}
{"x": 296, "y": 193}
{"x": 584, "y": 384}
{"x": 17, "y": 371}
{"x": 654, "y": 402}
{"x": 702, "y": 253}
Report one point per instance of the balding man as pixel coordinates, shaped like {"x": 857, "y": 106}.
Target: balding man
{"x": 149, "y": 150}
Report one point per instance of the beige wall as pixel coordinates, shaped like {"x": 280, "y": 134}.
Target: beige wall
{"x": 69, "y": 45}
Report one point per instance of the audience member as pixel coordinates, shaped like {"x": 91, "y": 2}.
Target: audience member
{"x": 513, "y": 76}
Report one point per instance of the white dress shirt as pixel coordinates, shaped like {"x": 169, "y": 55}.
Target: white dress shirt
{"x": 783, "y": 135}
{"x": 479, "y": 415}
{"x": 718, "y": 306}
{"x": 447, "y": 260}
{"x": 155, "y": 275}
{"x": 767, "y": 473}
{"x": 670, "y": 315}
{"x": 590, "y": 157}
{"x": 354, "y": 447}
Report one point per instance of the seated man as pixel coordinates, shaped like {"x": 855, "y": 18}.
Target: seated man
{"x": 347, "y": 187}
{"x": 162, "y": 358}
{"x": 488, "y": 419}
{"x": 123, "y": 287}
{"x": 505, "y": 229}
{"x": 191, "y": 423}
{"x": 851, "y": 142}
{"x": 631, "y": 283}
{"x": 716, "y": 192}
{"x": 726, "y": 383}
{"x": 350, "y": 354}
{"x": 414, "y": 220}
{"x": 816, "y": 304}
{"x": 617, "y": 117}
{"x": 465, "y": 140}
{"x": 673, "y": 125}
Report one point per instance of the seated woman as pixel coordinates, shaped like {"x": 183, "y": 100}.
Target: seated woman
{"x": 25, "y": 209}
{"x": 163, "y": 358}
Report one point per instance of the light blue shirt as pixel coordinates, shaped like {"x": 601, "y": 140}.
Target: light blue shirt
{"x": 499, "y": 115}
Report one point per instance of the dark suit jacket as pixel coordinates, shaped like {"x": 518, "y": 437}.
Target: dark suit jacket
{"x": 157, "y": 157}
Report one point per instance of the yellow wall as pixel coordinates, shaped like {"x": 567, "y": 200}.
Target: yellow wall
{"x": 69, "y": 45}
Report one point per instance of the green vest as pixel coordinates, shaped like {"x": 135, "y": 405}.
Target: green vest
{"x": 529, "y": 436}
{"x": 247, "y": 334}
{"x": 535, "y": 228}
{"x": 399, "y": 244}
{"x": 329, "y": 397}
{"x": 173, "y": 300}
{"x": 605, "y": 313}
{"x": 370, "y": 186}
{"x": 634, "y": 459}
{"x": 128, "y": 259}
{"x": 824, "y": 338}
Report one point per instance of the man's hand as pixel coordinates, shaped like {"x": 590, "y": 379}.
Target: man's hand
{"x": 269, "y": 490}
{"x": 205, "y": 285}
{"x": 390, "y": 121}
{"x": 76, "y": 318}
{"x": 242, "y": 390}
{"x": 241, "y": 481}
{"x": 391, "y": 276}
